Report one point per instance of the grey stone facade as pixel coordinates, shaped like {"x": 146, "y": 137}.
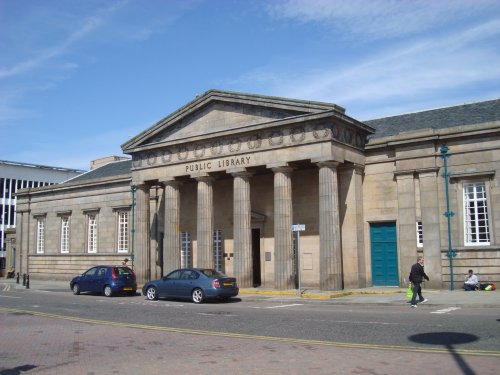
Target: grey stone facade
{"x": 232, "y": 172}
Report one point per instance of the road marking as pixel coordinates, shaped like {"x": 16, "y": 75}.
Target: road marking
{"x": 9, "y": 296}
{"x": 487, "y": 353}
{"x": 445, "y": 311}
{"x": 361, "y": 322}
{"x": 280, "y": 306}
{"x": 154, "y": 303}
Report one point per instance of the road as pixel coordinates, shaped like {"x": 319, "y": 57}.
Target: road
{"x": 277, "y": 334}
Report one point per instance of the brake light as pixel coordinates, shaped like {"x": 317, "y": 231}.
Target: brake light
{"x": 113, "y": 274}
{"x": 215, "y": 284}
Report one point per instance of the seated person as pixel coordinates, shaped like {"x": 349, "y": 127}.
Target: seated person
{"x": 10, "y": 273}
{"x": 471, "y": 282}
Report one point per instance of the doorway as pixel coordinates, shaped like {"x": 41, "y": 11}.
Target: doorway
{"x": 384, "y": 251}
{"x": 256, "y": 257}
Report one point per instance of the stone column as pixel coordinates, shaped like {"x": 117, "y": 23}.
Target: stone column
{"x": 23, "y": 239}
{"x": 283, "y": 244}
{"x": 142, "y": 246}
{"x": 172, "y": 240}
{"x": 242, "y": 230}
{"x": 329, "y": 228}
{"x": 354, "y": 265}
{"x": 205, "y": 223}
{"x": 407, "y": 218}
{"x": 430, "y": 228}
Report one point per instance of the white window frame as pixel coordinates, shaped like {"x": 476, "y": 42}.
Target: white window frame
{"x": 186, "y": 252}
{"x": 218, "y": 250}
{"x": 65, "y": 233}
{"x": 420, "y": 234}
{"x": 92, "y": 233}
{"x": 40, "y": 235}
{"x": 475, "y": 214}
{"x": 123, "y": 231}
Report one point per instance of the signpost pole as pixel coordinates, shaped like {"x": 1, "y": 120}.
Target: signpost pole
{"x": 298, "y": 258}
{"x": 298, "y": 228}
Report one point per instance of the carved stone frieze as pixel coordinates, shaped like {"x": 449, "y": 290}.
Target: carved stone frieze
{"x": 290, "y": 136}
{"x": 275, "y": 138}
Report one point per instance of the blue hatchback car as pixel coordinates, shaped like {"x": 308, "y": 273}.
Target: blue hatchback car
{"x": 107, "y": 280}
{"x": 196, "y": 284}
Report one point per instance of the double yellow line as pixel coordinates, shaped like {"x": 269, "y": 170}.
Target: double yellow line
{"x": 487, "y": 353}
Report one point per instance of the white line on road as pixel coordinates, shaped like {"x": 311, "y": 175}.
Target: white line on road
{"x": 279, "y": 306}
{"x": 9, "y": 296}
{"x": 445, "y": 311}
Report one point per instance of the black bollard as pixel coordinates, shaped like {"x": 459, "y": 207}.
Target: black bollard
{"x": 28, "y": 281}
{"x": 17, "y": 279}
{"x": 24, "y": 279}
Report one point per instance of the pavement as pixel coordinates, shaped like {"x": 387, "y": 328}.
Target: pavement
{"x": 370, "y": 295}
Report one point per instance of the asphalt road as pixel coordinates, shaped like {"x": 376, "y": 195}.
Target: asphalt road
{"x": 455, "y": 333}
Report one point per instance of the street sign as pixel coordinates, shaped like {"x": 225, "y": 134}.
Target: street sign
{"x": 298, "y": 227}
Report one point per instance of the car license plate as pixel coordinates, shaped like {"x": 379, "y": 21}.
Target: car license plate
{"x": 228, "y": 284}
{"x": 127, "y": 288}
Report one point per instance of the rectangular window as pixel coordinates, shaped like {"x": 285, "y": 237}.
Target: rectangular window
{"x": 40, "y": 235}
{"x": 420, "y": 236}
{"x": 123, "y": 232}
{"x": 186, "y": 259}
{"x": 476, "y": 226}
{"x": 92, "y": 234}
{"x": 217, "y": 238}
{"x": 65, "y": 234}
{"x": 12, "y": 215}
{"x": 7, "y": 188}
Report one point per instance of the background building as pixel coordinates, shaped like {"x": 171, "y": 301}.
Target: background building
{"x": 15, "y": 176}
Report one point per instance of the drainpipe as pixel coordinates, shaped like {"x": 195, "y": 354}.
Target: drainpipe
{"x": 451, "y": 254}
{"x": 133, "y": 189}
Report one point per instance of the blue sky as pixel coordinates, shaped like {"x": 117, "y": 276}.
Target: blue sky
{"x": 78, "y": 78}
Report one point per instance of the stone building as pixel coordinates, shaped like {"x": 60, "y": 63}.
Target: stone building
{"x": 220, "y": 182}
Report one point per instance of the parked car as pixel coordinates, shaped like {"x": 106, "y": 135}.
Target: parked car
{"x": 107, "y": 280}
{"x": 196, "y": 284}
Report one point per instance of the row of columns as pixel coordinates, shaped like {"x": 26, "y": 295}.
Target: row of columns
{"x": 284, "y": 278}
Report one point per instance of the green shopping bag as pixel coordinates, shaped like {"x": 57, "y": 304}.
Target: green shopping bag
{"x": 409, "y": 292}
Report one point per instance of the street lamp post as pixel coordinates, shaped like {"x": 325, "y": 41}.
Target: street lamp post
{"x": 133, "y": 189}
{"x": 451, "y": 254}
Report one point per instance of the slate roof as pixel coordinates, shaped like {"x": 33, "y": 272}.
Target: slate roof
{"x": 466, "y": 114}
{"x": 116, "y": 168}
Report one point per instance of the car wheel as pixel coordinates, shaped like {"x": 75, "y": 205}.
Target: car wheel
{"x": 197, "y": 295}
{"x": 76, "y": 289}
{"x": 151, "y": 293}
{"x": 108, "y": 291}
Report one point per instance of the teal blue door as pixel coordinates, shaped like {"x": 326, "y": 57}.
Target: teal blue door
{"x": 384, "y": 254}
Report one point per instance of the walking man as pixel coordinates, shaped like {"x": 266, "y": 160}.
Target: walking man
{"x": 417, "y": 275}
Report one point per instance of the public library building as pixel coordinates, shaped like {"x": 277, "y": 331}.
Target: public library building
{"x": 220, "y": 182}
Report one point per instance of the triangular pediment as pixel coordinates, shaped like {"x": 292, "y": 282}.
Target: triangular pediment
{"x": 219, "y": 111}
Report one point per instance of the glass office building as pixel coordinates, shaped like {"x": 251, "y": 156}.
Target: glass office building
{"x": 15, "y": 176}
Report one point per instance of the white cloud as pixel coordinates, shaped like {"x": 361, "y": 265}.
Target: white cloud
{"x": 399, "y": 72}
{"x": 379, "y": 18}
{"x": 88, "y": 26}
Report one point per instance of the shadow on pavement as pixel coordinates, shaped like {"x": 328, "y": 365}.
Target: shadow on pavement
{"x": 448, "y": 339}
{"x": 17, "y": 370}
